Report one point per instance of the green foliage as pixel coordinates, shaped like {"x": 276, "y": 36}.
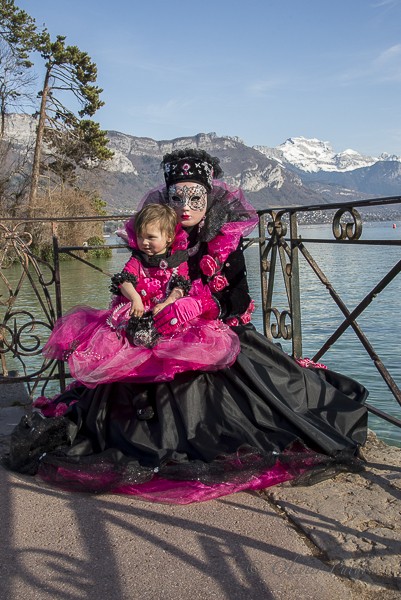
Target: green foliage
{"x": 19, "y": 30}
{"x": 75, "y": 141}
{"x": 99, "y": 205}
{"x": 95, "y": 140}
{"x": 99, "y": 252}
{"x": 81, "y": 147}
{"x": 71, "y": 70}
{"x": 45, "y": 251}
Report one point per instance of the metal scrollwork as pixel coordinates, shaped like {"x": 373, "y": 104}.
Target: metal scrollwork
{"x": 25, "y": 339}
{"x": 351, "y": 231}
{"x": 280, "y": 329}
{"x": 22, "y": 282}
{"x": 264, "y": 260}
{"x": 11, "y": 243}
{"x": 277, "y": 227}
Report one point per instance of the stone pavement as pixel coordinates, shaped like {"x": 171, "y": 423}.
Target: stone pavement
{"x": 338, "y": 539}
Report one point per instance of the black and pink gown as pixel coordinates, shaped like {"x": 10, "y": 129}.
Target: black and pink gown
{"x": 202, "y": 434}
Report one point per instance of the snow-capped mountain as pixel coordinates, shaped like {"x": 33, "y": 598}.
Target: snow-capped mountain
{"x": 313, "y": 155}
{"x": 264, "y": 180}
{"x": 299, "y": 171}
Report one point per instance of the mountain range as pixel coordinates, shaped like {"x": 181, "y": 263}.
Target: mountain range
{"x": 300, "y": 171}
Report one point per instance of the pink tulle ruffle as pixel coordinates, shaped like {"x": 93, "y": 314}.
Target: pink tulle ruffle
{"x": 308, "y": 363}
{"x": 175, "y": 491}
{"x": 97, "y": 353}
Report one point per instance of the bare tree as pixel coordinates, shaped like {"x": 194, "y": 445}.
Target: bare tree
{"x": 16, "y": 85}
{"x": 15, "y": 178}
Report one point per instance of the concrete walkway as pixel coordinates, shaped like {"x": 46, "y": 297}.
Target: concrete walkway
{"x": 338, "y": 539}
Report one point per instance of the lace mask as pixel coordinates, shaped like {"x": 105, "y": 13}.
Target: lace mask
{"x": 195, "y": 197}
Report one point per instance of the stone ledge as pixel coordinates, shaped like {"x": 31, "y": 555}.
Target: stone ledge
{"x": 354, "y": 520}
{"x": 9, "y": 418}
{"x": 13, "y": 394}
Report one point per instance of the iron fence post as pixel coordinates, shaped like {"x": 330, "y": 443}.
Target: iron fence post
{"x": 57, "y": 288}
{"x": 295, "y": 292}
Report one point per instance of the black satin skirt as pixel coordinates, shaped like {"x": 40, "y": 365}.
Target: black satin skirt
{"x": 228, "y": 426}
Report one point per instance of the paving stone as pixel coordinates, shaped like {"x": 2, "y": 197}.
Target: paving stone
{"x": 340, "y": 538}
{"x": 354, "y": 519}
{"x": 64, "y": 545}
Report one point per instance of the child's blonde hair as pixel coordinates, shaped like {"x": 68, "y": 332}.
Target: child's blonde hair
{"x": 163, "y": 215}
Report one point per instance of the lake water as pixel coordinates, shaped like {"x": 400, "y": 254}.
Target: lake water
{"x": 353, "y": 272}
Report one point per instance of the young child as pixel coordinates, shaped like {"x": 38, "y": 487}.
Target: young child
{"x": 122, "y": 342}
{"x": 154, "y": 231}
{"x": 154, "y": 227}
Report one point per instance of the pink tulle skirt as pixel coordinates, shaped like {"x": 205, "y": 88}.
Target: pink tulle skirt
{"x": 98, "y": 350}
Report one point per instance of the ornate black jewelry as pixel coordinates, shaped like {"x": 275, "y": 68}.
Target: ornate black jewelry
{"x": 141, "y": 331}
{"x": 189, "y": 169}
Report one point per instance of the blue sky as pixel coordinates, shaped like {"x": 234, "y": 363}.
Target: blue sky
{"x": 262, "y": 70}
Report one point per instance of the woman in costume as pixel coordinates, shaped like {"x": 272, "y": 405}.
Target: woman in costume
{"x": 122, "y": 343}
{"x": 262, "y": 421}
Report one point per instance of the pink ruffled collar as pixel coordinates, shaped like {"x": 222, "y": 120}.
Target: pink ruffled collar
{"x": 225, "y": 242}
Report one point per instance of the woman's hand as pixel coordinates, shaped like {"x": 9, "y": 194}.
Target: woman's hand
{"x": 171, "y": 317}
{"x": 159, "y": 307}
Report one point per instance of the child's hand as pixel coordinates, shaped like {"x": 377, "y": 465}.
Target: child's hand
{"x": 175, "y": 294}
{"x": 137, "y": 308}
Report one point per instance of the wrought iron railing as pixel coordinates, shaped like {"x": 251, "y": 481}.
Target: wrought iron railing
{"x": 280, "y": 241}
{"x": 23, "y": 331}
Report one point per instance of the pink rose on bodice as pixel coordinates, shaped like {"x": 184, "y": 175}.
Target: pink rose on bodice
{"x": 208, "y": 265}
{"x": 246, "y": 318}
{"x": 218, "y": 283}
{"x": 232, "y": 321}
{"x": 251, "y": 307}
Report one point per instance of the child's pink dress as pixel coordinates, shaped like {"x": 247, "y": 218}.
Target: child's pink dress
{"x": 98, "y": 350}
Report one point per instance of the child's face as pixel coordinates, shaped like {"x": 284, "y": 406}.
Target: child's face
{"x": 151, "y": 240}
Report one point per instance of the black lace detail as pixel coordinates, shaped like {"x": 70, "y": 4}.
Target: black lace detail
{"x": 119, "y": 278}
{"x": 222, "y": 208}
{"x": 32, "y": 438}
{"x": 178, "y": 281}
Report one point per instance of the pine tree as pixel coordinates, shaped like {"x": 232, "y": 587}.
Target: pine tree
{"x": 18, "y": 30}
{"x": 75, "y": 139}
